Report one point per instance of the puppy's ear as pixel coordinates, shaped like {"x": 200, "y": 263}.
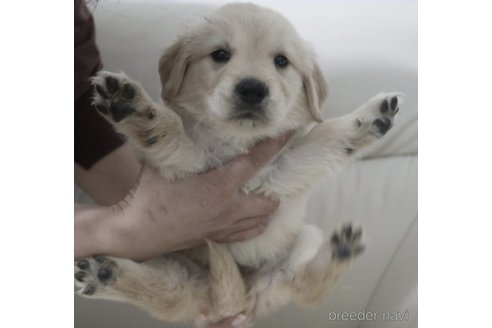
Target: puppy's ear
{"x": 172, "y": 69}
{"x": 316, "y": 91}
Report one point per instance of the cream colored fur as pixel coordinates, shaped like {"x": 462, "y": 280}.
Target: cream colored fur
{"x": 192, "y": 133}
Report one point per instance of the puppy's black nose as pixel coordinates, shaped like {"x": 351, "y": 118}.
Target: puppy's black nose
{"x": 251, "y": 91}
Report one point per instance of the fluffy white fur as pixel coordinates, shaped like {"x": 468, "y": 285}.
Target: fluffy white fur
{"x": 194, "y": 132}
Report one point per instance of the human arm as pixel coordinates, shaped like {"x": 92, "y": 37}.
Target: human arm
{"x": 110, "y": 179}
{"x": 160, "y": 216}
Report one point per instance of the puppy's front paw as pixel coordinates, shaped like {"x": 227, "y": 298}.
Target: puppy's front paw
{"x": 94, "y": 274}
{"x": 346, "y": 243}
{"x": 381, "y": 111}
{"x": 117, "y": 97}
{"x": 124, "y": 103}
{"x": 375, "y": 118}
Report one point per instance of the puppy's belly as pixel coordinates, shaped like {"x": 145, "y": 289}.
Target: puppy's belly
{"x": 277, "y": 238}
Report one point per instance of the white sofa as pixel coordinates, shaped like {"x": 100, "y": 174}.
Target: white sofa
{"x": 364, "y": 48}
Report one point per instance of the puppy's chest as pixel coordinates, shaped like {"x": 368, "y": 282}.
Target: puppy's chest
{"x": 219, "y": 151}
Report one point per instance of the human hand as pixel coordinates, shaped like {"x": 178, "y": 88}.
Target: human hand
{"x": 230, "y": 322}
{"x": 160, "y": 216}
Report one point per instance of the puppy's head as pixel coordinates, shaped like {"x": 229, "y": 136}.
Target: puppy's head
{"x": 244, "y": 69}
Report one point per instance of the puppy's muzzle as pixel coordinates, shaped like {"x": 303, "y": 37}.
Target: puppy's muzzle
{"x": 251, "y": 98}
{"x": 251, "y": 91}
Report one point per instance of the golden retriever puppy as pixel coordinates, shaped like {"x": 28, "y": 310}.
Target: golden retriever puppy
{"x": 241, "y": 75}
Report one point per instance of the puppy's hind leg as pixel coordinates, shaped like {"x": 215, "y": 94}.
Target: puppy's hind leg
{"x": 171, "y": 288}
{"x": 313, "y": 281}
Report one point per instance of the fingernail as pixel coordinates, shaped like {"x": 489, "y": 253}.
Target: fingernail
{"x": 239, "y": 320}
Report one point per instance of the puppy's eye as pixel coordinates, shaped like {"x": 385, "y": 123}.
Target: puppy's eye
{"x": 281, "y": 61}
{"x": 220, "y": 55}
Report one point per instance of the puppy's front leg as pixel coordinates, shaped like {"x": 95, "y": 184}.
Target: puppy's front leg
{"x": 152, "y": 128}
{"x": 328, "y": 146}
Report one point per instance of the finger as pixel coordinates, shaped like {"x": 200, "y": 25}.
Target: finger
{"x": 229, "y": 322}
{"x": 241, "y": 225}
{"x": 244, "y": 235}
{"x": 248, "y": 223}
{"x": 245, "y": 206}
{"x": 241, "y": 169}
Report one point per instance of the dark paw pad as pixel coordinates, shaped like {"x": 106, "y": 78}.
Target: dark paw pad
{"x": 89, "y": 290}
{"x": 394, "y": 103}
{"x": 79, "y": 276}
{"x": 128, "y": 91}
{"x": 120, "y": 110}
{"x": 383, "y": 124}
{"x": 347, "y": 243}
{"x": 384, "y": 106}
{"x": 83, "y": 265}
{"x": 105, "y": 273}
{"x": 389, "y": 107}
{"x": 112, "y": 84}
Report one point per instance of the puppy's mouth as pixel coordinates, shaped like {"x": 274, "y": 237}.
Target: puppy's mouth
{"x": 249, "y": 115}
{"x": 254, "y": 113}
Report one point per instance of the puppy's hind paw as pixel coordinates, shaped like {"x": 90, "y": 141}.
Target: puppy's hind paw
{"x": 94, "y": 274}
{"x": 347, "y": 243}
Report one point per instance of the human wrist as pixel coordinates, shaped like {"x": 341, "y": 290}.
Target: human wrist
{"x": 95, "y": 227}
{"x": 135, "y": 234}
